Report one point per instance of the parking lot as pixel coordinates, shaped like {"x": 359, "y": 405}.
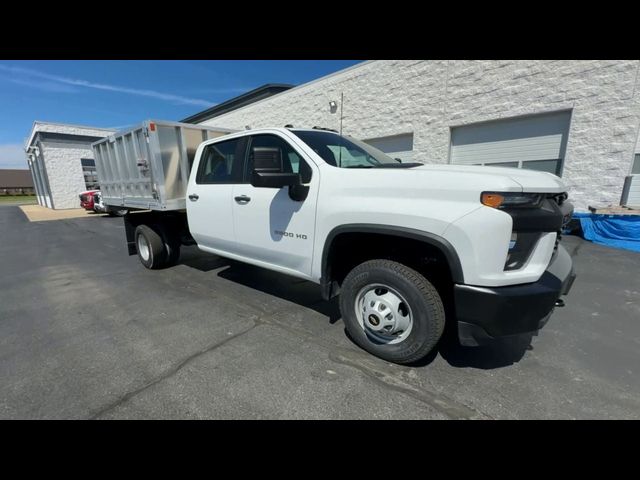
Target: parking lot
{"x": 87, "y": 332}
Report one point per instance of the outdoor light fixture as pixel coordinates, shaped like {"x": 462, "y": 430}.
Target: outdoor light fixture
{"x": 333, "y": 106}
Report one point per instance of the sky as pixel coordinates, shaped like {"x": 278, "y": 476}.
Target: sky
{"x": 116, "y": 94}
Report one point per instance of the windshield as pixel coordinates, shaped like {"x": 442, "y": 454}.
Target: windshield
{"x": 344, "y": 152}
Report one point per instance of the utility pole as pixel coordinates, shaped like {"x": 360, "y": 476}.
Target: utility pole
{"x": 341, "y": 102}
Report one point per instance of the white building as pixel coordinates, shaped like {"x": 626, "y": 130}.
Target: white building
{"x": 61, "y": 162}
{"x": 579, "y": 119}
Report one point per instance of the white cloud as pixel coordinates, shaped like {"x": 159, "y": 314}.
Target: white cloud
{"x": 12, "y": 156}
{"x": 46, "y": 85}
{"x": 103, "y": 86}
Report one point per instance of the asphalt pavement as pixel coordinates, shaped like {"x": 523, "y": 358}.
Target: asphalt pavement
{"x": 86, "y": 332}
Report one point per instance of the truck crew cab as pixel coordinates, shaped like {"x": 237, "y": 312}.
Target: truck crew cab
{"x": 397, "y": 241}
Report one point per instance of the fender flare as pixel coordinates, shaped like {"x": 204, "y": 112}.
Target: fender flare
{"x": 442, "y": 244}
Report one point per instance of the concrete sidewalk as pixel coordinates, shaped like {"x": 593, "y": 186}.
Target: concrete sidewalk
{"x": 38, "y": 213}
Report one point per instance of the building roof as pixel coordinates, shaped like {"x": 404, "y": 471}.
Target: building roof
{"x": 251, "y": 96}
{"x": 66, "y": 128}
{"x": 13, "y": 178}
{"x": 236, "y": 103}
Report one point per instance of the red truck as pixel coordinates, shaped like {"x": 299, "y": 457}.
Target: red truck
{"x": 92, "y": 200}
{"x": 87, "y": 200}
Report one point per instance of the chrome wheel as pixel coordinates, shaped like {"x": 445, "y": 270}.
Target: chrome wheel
{"x": 143, "y": 248}
{"x": 383, "y": 314}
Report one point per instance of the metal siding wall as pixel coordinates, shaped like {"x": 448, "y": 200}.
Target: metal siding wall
{"x": 539, "y": 137}
{"x": 633, "y": 200}
{"x": 394, "y": 143}
{"x": 396, "y": 146}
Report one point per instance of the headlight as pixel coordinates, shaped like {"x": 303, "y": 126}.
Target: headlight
{"x": 511, "y": 199}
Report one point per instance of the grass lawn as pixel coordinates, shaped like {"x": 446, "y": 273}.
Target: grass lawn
{"x": 24, "y": 199}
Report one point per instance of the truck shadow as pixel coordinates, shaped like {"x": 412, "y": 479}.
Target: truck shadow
{"x": 301, "y": 292}
{"x": 500, "y": 354}
{"x": 194, "y": 258}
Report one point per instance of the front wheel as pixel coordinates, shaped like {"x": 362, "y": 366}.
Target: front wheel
{"x": 391, "y": 311}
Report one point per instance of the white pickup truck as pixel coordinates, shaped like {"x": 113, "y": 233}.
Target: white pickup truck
{"x": 397, "y": 241}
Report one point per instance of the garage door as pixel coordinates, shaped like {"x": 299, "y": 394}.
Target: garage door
{"x": 633, "y": 194}
{"x": 536, "y": 142}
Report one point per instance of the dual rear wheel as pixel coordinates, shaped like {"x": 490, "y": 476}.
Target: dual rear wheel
{"x": 156, "y": 249}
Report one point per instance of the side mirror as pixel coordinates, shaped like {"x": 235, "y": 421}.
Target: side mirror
{"x": 267, "y": 159}
{"x": 268, "y": 172}
{"x": 274, "y": 179}
{"x": 268, "y": 169}
{"x": 297, "y": 191}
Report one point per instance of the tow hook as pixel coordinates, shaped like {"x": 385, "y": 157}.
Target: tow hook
{"x": 559, "y": 303}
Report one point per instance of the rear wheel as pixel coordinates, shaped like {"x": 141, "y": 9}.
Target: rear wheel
{"x": 171, "y": 243}
{"x": 173, "y": 252}
{"x": 391, "y": 311}
{"x": 151, "y": 249}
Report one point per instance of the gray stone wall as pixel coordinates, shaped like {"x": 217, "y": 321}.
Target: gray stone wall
{"x": 64, "y": 172}
{"x": 383, "y": 98}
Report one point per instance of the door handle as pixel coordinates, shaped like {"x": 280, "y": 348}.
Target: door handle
{"x": 243, "y": 199}
{"x": 194, "y": 197}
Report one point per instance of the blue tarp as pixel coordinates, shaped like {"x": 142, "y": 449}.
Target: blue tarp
{"x": 620, "y": 231}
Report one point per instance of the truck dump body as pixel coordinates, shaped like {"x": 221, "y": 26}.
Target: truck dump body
{"x": 148, "y": 166}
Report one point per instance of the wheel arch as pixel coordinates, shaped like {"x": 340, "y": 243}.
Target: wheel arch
{"x": 174, "y": 223}
{"x": 330, "y": 287}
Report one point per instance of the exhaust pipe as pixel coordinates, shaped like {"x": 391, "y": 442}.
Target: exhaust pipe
{"x": 559, "y": 303}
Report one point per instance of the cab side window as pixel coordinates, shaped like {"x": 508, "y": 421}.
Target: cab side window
{"x": 219, "y": 163}
{"x": 292, "y": 162}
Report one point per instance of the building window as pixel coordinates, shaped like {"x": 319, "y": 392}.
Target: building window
{"x": 551, "y": 166}
{"x": 90, "y": 173}
{"x": 503, "y": 164}
{"x": 396, "y": 146}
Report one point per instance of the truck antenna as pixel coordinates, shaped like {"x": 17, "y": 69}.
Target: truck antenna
{"x": 341, "y": 103}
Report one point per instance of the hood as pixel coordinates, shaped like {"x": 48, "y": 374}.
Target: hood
{"x": 527, "y": 180}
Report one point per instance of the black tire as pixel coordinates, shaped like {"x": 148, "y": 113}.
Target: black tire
{"x": 157, "y": 255}
{"x": 171, "y": 244}
{"x": 173, "y": 249}
{"x": 423, "y": 299}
